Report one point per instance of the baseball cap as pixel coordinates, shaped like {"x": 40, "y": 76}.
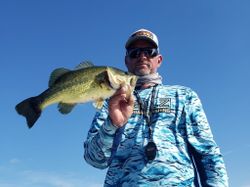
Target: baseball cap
{"x": 142, "y": 34}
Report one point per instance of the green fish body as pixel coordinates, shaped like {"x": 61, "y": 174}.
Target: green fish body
{"x": 70, "y": 87}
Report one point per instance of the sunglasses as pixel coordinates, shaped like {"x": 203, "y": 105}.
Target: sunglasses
{"x": 148, "y": 52}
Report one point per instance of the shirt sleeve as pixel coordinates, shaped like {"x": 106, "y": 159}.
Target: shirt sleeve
{"x": 206, "y": 154}
{"x": 99, "y": 142}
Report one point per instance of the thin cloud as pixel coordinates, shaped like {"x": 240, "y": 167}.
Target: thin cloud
{"x": 244, "y": 148}
{"x": 14, "y": 161}
{"x": 53, "y": 179}
{"x": 33, "y": 178}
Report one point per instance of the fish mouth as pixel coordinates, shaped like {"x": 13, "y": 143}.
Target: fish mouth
{"x": 111, "y": 85}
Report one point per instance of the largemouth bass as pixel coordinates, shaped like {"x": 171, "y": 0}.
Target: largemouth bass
{"x": 70, "y": 87}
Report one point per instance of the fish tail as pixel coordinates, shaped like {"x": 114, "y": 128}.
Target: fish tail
{"x": 30, "y": 109}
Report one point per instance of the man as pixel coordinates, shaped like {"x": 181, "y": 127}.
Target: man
{"x": 158, "y": 137}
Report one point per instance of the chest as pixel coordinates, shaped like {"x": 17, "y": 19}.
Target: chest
{"x": 164, "y": 113}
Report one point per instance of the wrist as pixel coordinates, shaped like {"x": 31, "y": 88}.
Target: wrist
{"x": 116, "y": 123}
{"x": 110, "y": 125}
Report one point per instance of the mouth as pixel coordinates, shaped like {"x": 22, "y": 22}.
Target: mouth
{"x": 142, "y": 65}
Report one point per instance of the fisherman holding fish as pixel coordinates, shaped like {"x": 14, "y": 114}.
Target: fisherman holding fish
{"x": 157, "y": 136}
{"x": 146, "y": 133}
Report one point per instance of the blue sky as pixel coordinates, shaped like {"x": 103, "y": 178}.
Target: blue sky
{"x": 205, "y": 45}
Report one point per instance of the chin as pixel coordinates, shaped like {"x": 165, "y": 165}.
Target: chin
{"x": 141, "y": 73}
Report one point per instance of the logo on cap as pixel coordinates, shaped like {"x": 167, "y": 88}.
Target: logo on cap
{"x": 143, "y": 33}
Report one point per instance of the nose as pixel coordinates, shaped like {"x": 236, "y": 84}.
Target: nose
{"x": 143, "y": 54}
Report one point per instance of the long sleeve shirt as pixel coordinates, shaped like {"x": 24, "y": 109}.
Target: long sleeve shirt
{"x": 187, "y": 154}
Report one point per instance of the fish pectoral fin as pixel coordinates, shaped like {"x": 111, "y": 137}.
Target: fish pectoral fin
{"x": 98, "y": 103}
{"x": 65, "y": 108}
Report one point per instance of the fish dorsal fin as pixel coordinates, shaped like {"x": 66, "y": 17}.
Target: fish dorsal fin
{"x": 56, "y": 74}
{"x": 84, "y": 64}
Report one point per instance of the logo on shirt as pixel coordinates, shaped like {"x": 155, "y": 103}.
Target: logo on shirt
{"x": 163, "y": 105}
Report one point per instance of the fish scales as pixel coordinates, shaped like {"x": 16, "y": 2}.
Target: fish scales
{"x": 68, "y": 88}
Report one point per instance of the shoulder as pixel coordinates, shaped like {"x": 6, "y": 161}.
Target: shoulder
{"x": 177, "y": 89}
{"x": 181, "y": 93}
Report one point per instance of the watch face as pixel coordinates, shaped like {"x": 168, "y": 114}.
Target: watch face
{"x": 150, "y": 150}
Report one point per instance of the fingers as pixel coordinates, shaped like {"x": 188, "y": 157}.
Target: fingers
{"x": 121, "y": 106}
{"x": 131, "y": 100}
{"x": 121, "y": 91}
{"x": 120, "y": 94}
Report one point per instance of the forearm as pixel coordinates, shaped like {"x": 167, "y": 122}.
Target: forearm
{"x": 206, "y": 153}
{"x": 216, "y": 174}
{"x": 209, "y": 164}
{"x": 98, "y": 145}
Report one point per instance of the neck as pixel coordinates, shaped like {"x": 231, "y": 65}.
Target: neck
{"x": 147, "y": 81}
{"x": 146, "y": 85}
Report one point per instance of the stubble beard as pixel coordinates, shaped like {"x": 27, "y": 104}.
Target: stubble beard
{"x": 140, "y": 71}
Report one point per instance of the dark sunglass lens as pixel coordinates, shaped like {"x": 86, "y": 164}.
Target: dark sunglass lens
{"x": 152, "y": 52}
{"x": 134, "y": 53}
{"x": 148, "y": 52}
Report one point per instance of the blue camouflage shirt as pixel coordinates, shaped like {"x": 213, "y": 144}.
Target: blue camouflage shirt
{"x": 186, "y": 150}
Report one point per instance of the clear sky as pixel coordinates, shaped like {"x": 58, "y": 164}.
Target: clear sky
{"x": 205, "y": 45}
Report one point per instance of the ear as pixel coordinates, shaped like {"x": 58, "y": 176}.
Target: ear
{"x": 159, "y": 60}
